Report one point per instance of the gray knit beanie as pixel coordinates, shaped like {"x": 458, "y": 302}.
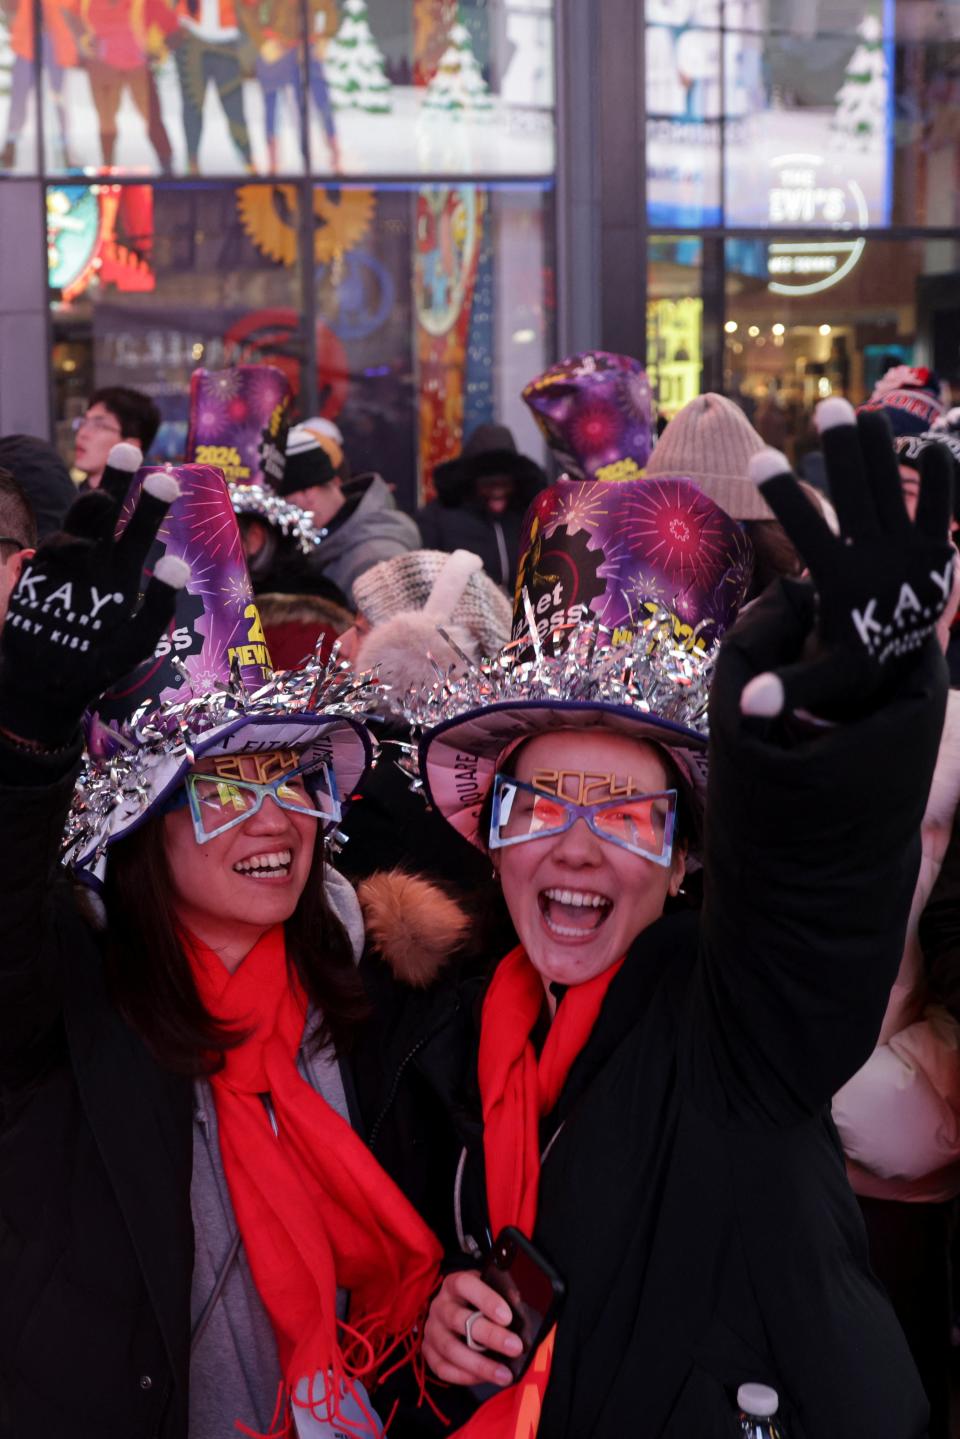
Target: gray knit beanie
{"x": 710, "y": 442}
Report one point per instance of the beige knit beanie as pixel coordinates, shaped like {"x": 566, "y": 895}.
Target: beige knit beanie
{"x": 710, "y": 442}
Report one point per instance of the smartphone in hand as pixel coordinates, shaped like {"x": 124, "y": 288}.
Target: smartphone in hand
{"x": 520, "y": 1274}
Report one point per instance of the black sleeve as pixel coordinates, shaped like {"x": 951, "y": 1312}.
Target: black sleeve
{"x": 431, "y": 530}
{"x": 32, "y": 884}
{"x": 812, "y": 853}
{"x": 940, "y": 930}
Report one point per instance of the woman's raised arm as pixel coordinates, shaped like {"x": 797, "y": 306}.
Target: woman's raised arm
{"x": 826, "y": 716}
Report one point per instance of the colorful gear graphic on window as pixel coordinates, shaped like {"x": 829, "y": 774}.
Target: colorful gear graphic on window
{"x": 268, "y": 214}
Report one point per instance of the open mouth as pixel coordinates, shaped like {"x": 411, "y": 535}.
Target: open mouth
{"x": 274, "y": 865}
{"x": 574, "y": 913}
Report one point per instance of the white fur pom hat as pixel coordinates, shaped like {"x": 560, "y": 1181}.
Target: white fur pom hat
{"x": 406, "y": 598}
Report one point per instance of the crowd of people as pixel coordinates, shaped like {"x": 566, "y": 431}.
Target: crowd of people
{"x": 504, "y": 979}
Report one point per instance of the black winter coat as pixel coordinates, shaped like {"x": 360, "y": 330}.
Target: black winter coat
{"x": 96, "y": 1238}
{"x": 695, "y": 1198}
{"x": 459, "y": 520}
{"x": 96, "y": 1149}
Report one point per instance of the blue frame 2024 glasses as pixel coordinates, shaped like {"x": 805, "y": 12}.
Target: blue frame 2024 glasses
{"x": 310, "y": 790}
{"x": 641, "y": 823}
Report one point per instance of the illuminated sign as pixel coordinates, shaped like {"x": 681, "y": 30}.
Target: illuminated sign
{"x": 674, "y": 351}
{"x": 808, "y": 191}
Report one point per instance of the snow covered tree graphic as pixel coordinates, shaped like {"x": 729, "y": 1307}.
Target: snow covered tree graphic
{"x": 863, "y": 96}
{"x": 354, "y": 65}
{"x": 458, "y": 87}
{"x": 6, "y": 58}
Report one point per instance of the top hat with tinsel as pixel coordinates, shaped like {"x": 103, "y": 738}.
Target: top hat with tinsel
{"x": 624, "y": 589}
{"x": 208, "y": 689}
{"x": 595, "y": 411}
{"x": 238, "y": 418}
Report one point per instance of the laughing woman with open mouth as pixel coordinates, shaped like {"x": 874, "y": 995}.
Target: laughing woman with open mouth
{"x": 655, "y": 1089}
{"x": 194, "y": 1241}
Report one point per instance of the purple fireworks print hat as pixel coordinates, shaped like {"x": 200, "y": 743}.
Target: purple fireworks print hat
{"x": 216, "y": 620}
{"x": 231, "y": 413}
{"x": 618, "y": 552}
{"x": 596, "y": 413}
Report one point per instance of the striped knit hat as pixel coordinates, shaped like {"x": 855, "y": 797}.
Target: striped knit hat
{"x": 308, "y": 462}
{"x": 710, "y": 442}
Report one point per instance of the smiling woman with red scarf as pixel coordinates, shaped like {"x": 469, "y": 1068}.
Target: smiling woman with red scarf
{"x": 653, "y": 1088}
{"x": 194, "y": 1241}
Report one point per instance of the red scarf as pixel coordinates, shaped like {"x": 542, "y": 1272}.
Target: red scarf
{"x": 517, "y": 1089}
{"x": 314, "y": 1208}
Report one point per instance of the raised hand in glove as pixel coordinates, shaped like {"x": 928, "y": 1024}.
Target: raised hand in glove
{"x": 881, "y": 585}
{"x": 74, "y": 627}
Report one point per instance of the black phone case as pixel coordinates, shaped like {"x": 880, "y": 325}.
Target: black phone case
{"x": 520, "y": 1274}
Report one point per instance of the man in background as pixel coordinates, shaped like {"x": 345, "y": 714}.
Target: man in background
{"x": 360, "y": 516}
{"x": 113, "y": 414}
{"x": 18, "y": 537}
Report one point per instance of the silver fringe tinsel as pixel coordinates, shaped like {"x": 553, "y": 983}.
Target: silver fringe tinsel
{"x": 290, "y": 520}
{"x": 172, "y": 730}
{"x": 653, "y": 672}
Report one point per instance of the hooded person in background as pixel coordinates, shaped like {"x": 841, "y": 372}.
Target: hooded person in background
{"x": 18, "y": 537}
{"x": 113, "y": 413}
{"x": 42, "y": 476}
{"x": 360, "y": 519}
{"x": 482, "y": 497}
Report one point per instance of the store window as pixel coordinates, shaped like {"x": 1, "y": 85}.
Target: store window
{"x": 684, "y": 93}
{"x": 786, "y": 347}
{"x": 374, "y": 87}
{"x": 433, "y": 305}
{"x": 772, "y": 113}
{"x": 149, "y": 281}
{"x": 18, "y": 99}
{"x": 674, "y": 321}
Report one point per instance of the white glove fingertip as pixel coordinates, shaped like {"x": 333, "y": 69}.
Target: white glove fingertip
{"x": 125, "y": 456}
{"x": 172, "y": 570}
{"x": 763, "y": 697}
{"x": 766, "y": 465}
{"x": 162, "y": 487}
{"x": 832, "y": 413}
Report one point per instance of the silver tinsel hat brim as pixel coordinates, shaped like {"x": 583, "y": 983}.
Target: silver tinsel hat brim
{"x": 652, "y": 685}
{"x": 318, "y": 710}
{"x": 292, "y": 522}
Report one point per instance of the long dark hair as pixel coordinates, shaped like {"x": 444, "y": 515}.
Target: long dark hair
{"x": 149, "y": 975}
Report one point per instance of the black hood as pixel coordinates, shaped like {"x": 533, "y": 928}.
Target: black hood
{"x": 43, "y": 477}
{"x": 456, "y": 480}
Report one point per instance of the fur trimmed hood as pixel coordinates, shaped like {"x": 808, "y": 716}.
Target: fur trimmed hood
{"x": 412, "y": 924}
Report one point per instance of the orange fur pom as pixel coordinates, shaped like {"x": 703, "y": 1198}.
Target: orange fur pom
{"x": 411, "y": 923}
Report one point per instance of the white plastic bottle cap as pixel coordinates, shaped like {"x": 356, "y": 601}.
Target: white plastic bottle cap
{"x": 758, "y": 1400}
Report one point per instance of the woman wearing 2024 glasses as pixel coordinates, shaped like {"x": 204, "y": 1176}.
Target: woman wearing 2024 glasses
{"x": 655, "y": 1088}
{"x": 193, "y": 1237}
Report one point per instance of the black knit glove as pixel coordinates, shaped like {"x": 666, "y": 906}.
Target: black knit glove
{"x": 881, "y": 585}
{"x": 73, "y": 627}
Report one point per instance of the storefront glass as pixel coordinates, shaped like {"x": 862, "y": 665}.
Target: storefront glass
{"x": 205, "y": 168}
{"x": 785, "y": 348}
{"x": 433, "y": 305}
{"x": 789, "y": 139}
{"x": 225, "y": 87}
